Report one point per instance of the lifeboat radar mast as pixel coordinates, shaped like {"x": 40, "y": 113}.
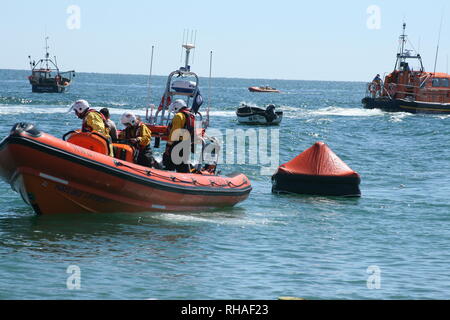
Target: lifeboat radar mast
{"x": 401, "y": 63}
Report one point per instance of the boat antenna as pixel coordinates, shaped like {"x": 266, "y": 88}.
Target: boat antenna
{"x": 195, "y": 39}
{"x": 209, "y": 90}
{"x": 403, "y": 38}
{"x": 46, "y": 51}
{"x": 446, "y": 71}
{"x": 401, "y": 47}
{"x": 439, "y": 39}
{"x": 56, "y": 65}
{"x": 418, "y": 49}
{"x": 182, "y": 43}
{"x": 149, "y": 91}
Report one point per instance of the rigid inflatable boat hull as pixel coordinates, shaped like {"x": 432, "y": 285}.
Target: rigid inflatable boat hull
{"x": 54, "y": 176}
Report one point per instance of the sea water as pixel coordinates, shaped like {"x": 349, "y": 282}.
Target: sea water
{"x": 392, "y": 243}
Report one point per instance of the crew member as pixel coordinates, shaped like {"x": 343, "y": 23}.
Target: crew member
{"x": 92, "y": 120}
{"x": 376, "y": 85}
{"x": 183, "y": 119}
{"x": 111, "y": 124}
{"x": 138, "y": 135}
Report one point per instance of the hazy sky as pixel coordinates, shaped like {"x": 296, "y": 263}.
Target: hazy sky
{"x": 278, "y": 39}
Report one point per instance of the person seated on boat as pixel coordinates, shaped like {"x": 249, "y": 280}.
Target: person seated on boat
{"x": 139, "y": 136}
{"x": 183, "y": 119}
{"x": 111, "y": 124}
{"x": 92, "y": 120}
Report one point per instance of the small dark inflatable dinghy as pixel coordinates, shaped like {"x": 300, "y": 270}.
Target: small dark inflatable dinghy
{"x": 317, "y": 171}
{"x": 254, "y": 115}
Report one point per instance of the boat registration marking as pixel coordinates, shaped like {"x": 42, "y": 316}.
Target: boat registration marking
{"x": 157, "y": 206}
{"x": 46, "y": 176}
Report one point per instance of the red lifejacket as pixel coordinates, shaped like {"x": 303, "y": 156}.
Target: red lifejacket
{"x": 162, "y": 104}
{"x": 85, "y": 127}
{"x": 190, "y": 121}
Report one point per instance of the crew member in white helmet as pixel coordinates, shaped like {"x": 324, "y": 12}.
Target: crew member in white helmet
{"x": 92, "y": 120}
{"x": 183, "y": 119}
{"x": 138, "y": 135}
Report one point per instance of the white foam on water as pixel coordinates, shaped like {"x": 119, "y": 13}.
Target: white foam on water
{"x": 42, "y": 109}
{"x": 443, "y": 117}
{"x": 223, "y": 113}
{"x": 347, "y": 112}
{"x": 21, "y": 109}
{"x": 399, "y": 116}
{"x": 215, "y": 219}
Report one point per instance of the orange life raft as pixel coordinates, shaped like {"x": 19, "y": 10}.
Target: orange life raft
{"x": 318, "y": 171}
{"x": 57, "y": 176}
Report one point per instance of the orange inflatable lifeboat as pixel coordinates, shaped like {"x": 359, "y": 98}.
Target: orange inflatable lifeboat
{"x": 318, "y": 171}
{"x": 76, "y": 176}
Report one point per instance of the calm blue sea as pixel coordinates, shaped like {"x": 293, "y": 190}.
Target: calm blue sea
{"x": 265, "y": 247}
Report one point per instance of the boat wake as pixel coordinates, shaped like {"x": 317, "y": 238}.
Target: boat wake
{"x": 8, "y": 109}
{"x": 346, "y": 112}
{"x": 27, "y": 109}
{"x": 399, "y": 116}
{"x": 219, "y": 219}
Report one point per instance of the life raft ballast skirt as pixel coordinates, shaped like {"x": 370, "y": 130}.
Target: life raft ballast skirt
{"x": 316, "y": 185}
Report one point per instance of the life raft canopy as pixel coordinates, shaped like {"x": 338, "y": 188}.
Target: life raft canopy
{"x": 317, "y": 170}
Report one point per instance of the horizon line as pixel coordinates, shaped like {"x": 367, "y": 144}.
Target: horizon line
{"x": 221, "y": 77}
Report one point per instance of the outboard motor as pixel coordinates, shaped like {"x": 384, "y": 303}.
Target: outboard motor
{"x": 270, "y": 113}
{"x": 29, "y": 128}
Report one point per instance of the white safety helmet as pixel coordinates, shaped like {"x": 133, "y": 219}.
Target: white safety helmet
{"x": 177, "y": 105}
{"x": 128, "y": 118}
{"x": 79, "y": 107}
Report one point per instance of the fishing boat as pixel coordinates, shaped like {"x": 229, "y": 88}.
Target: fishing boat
{"x": 75, "y": 174}
{"x": 409, "y": 90}
{"x": 262, "y": 89}
{"x": 253, "y": 115}
{"x": 46, "y": 76}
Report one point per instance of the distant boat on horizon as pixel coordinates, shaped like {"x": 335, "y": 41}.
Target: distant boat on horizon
{"x": 46, "y": 77}
{"x": 263, "y": 89}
